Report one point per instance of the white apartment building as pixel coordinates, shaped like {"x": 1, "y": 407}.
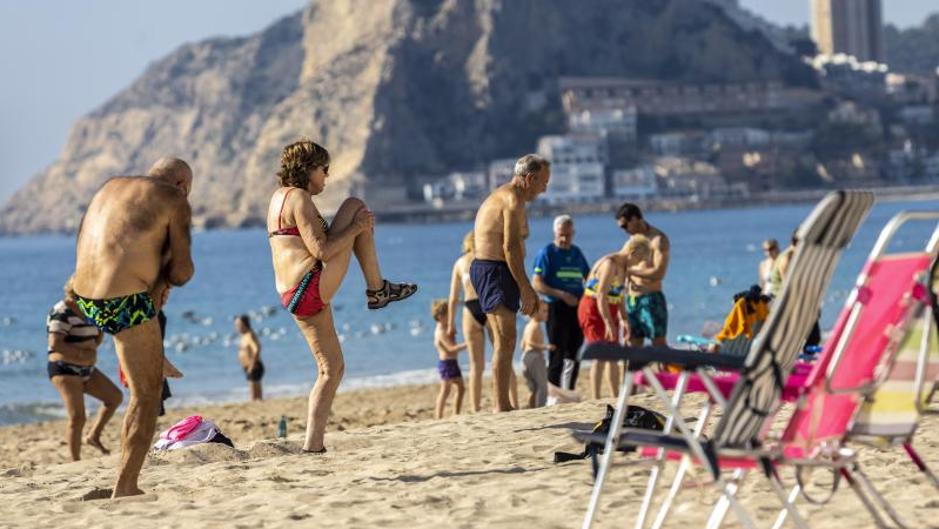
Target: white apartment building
{"x": 633, "y": 184}
{"x": 620, "y": 123}
{"x": 578, "y": 163}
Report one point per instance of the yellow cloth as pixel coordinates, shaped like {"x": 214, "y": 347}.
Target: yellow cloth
{"x": 742, "y": 322}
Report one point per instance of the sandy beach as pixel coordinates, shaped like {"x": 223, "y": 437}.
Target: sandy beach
{"x": 389, "y": 465}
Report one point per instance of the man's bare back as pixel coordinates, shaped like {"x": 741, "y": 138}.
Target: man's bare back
{"x": 128, "y": 227}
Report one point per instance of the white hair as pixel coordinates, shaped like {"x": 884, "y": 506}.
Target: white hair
{"x": 562, "y": 220}
{"x": 530, "y": 164}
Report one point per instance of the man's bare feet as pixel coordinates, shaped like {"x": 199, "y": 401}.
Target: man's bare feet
{"x": 90, "y": 441}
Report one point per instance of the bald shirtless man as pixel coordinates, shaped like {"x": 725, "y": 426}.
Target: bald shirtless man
{"x": 133, "y": 244}
{"x": 498, "y": 271}
{"x": 646, "y": 308}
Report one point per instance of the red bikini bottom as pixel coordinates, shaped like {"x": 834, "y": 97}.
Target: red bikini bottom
{"x": 304, "y": 299}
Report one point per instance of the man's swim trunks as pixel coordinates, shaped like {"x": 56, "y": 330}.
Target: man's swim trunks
{"x": 255, "y": 374}
{"x": 116, "y": 314}
{"x": 495, "y": 285}
{"x": 304, "y": 299}
{"x": 449, "y": 369}
{"x": 648, "y": 315}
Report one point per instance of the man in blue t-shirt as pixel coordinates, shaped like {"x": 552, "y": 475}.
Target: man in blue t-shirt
{"x": 560, "y": 270}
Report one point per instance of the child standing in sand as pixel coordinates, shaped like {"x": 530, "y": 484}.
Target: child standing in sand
{"x": 449, "y": 368}
{"x": 534, "y": 368}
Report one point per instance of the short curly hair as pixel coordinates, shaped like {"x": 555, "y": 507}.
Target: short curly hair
{"x": 296, "y": 161}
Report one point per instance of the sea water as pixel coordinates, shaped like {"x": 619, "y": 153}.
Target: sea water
{"x": 714, "y": 255}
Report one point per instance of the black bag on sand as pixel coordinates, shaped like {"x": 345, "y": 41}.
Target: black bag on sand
{"x": 636, "y": 417}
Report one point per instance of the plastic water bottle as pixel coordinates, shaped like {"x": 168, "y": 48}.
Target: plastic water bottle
{"x": 282, "y": 427}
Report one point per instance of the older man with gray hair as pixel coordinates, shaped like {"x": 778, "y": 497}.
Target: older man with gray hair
{"x": 560, "y": 269}
{"x": 498, "y": 271}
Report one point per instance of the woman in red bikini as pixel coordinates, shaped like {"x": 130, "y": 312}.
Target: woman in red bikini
{"x": 311, "y": 258}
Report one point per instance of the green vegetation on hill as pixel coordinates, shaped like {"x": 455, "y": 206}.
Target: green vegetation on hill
{"x": 915, "y": 49}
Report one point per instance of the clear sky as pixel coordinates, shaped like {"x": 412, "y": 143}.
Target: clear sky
{"x": 60, "y": 59}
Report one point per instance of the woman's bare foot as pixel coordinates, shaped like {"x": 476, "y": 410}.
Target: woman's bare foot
{"x": 90, "y": 441}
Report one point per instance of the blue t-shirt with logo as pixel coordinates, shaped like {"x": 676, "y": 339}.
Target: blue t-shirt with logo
{"x": 562, "y": 269}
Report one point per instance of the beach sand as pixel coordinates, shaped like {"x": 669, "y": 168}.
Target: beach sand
{"x": 391, "y": 465}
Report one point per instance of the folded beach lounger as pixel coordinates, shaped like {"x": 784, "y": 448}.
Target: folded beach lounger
{"x": 875, "y": 391}
{"x": 756, "y": 395}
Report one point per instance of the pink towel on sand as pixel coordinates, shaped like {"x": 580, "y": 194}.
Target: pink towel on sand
{"x": 182, "y": 429}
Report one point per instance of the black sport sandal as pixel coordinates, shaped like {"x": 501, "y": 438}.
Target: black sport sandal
{"x": 388, "y": 293}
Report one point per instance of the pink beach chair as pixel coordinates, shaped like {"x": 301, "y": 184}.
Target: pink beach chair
{"x": 891, "y": 293}
{"x": 763, "y": 371}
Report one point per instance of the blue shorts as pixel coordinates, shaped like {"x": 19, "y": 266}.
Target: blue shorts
{"x": 648, "y": 315}
{"x": 495, "y": 285}
{"x": 449, "y": 369}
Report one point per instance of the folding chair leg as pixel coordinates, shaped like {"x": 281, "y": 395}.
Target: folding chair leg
{"x": 683, "y": 467}
{"x": 865, "y": 499}
{"x": 787, "y": 502}
{"x": 884, "y": 504}
{"x": 783, "y": 513}
{"x": 921, "y": 465}
{"x": 694, "y": 444}
{"x": 723, "y": 504}
{"x": 609, "y": 448}
{"x": 660, "y": 455}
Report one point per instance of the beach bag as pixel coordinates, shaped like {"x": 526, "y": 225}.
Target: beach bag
{"x": 190, "y": 431}
{"x": 636, "y": 417}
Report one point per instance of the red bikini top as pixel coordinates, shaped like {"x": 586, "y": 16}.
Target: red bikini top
{"x": 292, "y": 230}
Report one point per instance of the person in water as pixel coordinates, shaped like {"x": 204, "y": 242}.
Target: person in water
{"x": 498, "y": 269}
{"x": 311, "y": 258}
{"x": 602, "y": 310}
{"x": 473, "y": 322}
{"x": 73, "y": 352}
{"x": 249, "y": 356}
{"x": 133, "y": 244}
{"x": 447, "y": 365}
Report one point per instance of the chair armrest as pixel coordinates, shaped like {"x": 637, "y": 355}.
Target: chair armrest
{"x": 640, "y": 356}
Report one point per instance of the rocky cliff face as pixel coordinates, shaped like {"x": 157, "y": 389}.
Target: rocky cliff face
{"x": 395, "y": 89}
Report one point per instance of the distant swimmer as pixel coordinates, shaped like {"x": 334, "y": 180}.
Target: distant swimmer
{"x": 133, "y": 244}
{"x": 73, "y": 352}
{"x": 249, "y": 356}
{"x": 498, "y": 270}
{"x": 311, "y": 258}
{"x": 646, "y": 308}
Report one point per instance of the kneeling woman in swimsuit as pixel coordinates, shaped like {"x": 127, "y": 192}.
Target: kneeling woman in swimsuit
{"x": 73, "y": 352}
{"x": 311, "y": 258}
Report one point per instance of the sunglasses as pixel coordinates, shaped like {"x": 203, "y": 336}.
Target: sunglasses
{"x": 326, "y": 169}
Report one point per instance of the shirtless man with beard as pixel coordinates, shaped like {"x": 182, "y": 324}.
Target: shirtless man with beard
{"x": 133, "y": 244}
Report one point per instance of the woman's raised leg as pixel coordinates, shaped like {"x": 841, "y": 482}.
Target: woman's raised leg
{"x": 363, "y": 247}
